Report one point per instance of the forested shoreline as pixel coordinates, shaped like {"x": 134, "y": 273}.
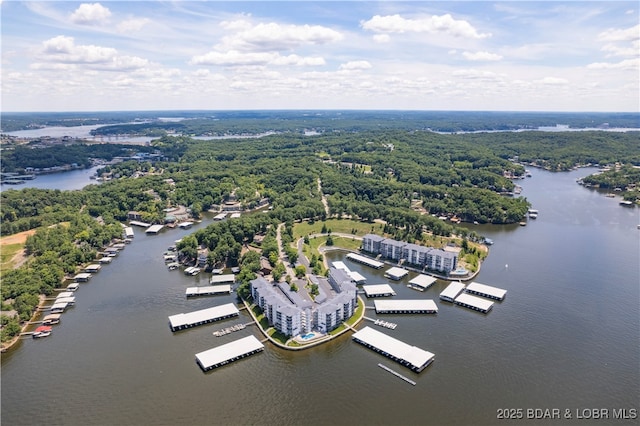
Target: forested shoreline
{"x": 409, "y": 179}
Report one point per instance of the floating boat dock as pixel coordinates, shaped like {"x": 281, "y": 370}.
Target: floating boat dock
{"x": 73, "y": 287}
{"x": 128, "y": 232}
{"x": 222, "y": 279}
{"x": 192, "y": 270}
{"x": 82, "y": 277}
{"x": 417, "y": 306}
{"x": 378, "y": 290}
{"x": 139, "y": 223}
{"x": 209, "y": 290}
{"x": 220, "y": 216}
{"x": 203, "y": 316}
{"x": 396, "y": 273}
{"x": 472, "y": 302}
{"x": 231, "y": 329}
{"x": 365, "y": 260}
{"x": 58, "y": 307}
{"x": 222, "y": 355}
{"x": 92, "y": 269}
{"x": 410, "y": 356}
{"x": 51, "y": 319}
{"x": 154, "y": 229}
{"x": 486, "y": 291}
{"x": 421, "y": 282}
{"x": 452, "y": 291}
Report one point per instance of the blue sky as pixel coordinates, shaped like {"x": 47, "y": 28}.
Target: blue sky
{"x": 147, "y": 55}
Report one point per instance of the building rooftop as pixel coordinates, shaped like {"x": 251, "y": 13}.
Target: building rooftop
{"x": 423, "y": 281}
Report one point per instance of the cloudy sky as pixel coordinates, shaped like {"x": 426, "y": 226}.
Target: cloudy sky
{"x": 147, "y": 55}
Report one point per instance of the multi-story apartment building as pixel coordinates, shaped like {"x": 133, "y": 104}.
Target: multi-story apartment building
{"x": 421, "y": 256}
{"x": 291, "y": 314}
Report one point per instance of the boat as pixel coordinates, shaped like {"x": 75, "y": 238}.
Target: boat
{"x": 488, "y": 241}
{"x": 610, "y": 195}
{"x": 42, "y": 331}
{"x": 523, "y": 223}
{"x": 626, "y": 203}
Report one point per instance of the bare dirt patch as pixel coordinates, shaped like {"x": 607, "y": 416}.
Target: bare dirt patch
{"x": 19, "y": 238}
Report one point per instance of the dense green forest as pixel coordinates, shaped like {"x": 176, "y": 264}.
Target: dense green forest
{"x": 19, "y": 157}
{"x": 406, "y": 178}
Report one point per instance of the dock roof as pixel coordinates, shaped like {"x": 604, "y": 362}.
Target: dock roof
{"x": 228, "y": 352}
{"x": 481, "y": 304}
{"x": 416, "y": 358}
{"x": 208, "y": 289}
{"x": 203, "y": 316}
{"x": 424, "y": 281}
{"x": 483, "y": 289}
{"x": 373, "y": 290}
{"x": 365, "y": 260}
{"x": 154, "y": 229}
{"x": 219, "y": 279}
{"x": 408, "y": 306}
{"x": 452, "y": 290}
{"x": 396, "y": 273}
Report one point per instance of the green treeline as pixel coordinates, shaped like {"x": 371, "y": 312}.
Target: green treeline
{"x": 22, "y": 156}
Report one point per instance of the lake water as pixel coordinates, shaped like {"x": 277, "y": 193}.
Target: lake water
{"x": 566, "y": 337}
{"x": 72, "y": 179}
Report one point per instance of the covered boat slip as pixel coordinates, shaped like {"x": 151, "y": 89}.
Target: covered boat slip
{"x": 222, "y": 279}
{"x": 203, "y": 316}
{"x": 51, "y": 319}
{"x": 486, "y": 291}
{"x": 93, "y": 268}
{"x": 209, "y": 290}
{"x": 222, "y": 355}
{"x": 472, "y": 302}
{"x": 154, "y": 229}
{"x": 410, "y": 356}
{"x": 365, "y": 260}
{"x": 396, "y": 273}
{"x": 422, "y": 282}
{"x": 128, "y": 232}
{"x": 378, "y": 290}
{"x": 417, "y": 306}
{"x": 452, "y": 290}
{"x": 82, "y": 277}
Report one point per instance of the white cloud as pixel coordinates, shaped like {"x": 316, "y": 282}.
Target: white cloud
{"x": 615, "y": 34}
{"x": 381, "y": 38}
{"x": 94, "y": 13}
{"x": 63, "y": 50}
{"x": 277, "y": 37}
{"x": 132, "y": 25}
{"x": 355, "y": 65}
{"x": 433, "y": 24}
{"x": 473, "y": 74}
{"x": 236, "y": 58}
{"x": 552, "y": 81}
{"x": 614, "y": 50}
{"x": 627, "y": 64}
{"x": 481, "y": 56}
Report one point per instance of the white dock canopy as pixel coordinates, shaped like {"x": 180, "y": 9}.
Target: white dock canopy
{"x": 154, "y": 229}
{"x": 220, "y": 216}
{"x": 410, "y": 356}
{"x": 396, "y": 273}
{"x": 229, "y": 352}
{"x": 93, "y": 268}
{"x": 140, "y": 224}
{"x": 473, "y": 302}
{"x": 84, "y": 276}
{"x": 128, "y": 232}
{"x": 65, "y": 294}
{"x": 365, "y": 260}
{"x": 378, "y": 290}
{"x": 411, "y": 306}
{"x": 486, "y": 291}
{"x": 422, "y": 282}
{"x": 357, "y": 277}
{"x": 220, "y": 279}
{"x": 208, "y": 290}
{"x": 203, "y": 316}
{"x": 451, "y": 291}
{"x": 185, "y": 225}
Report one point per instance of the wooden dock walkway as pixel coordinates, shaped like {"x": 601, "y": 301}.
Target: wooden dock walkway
{"x": 395, "y": 373}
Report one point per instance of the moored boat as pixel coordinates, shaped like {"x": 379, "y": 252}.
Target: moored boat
{"x": 42, "y": 331}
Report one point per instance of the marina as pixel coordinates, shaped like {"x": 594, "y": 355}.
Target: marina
{"x": 473, "y": 302}
{"x": 378, "y": 290}
{"x": 229, "y": 352}
{"x": 485, "y": 291}
{"x": 396, "y": 273}
{"x": 414, "y": 306}
{"x": 204, "y": 316}
{"x": 411, "y": 357}
{"x": 421, "y": 282}
{"x": 210, "y": 290}
{"x": 365, "y": 260}
{"x": 452, "y": 291}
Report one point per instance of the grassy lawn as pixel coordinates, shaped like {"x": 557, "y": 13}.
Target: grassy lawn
{"x": 344, "y": 226}
{"x": 7, "y": 253}
{"x": 358, "y": 312}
